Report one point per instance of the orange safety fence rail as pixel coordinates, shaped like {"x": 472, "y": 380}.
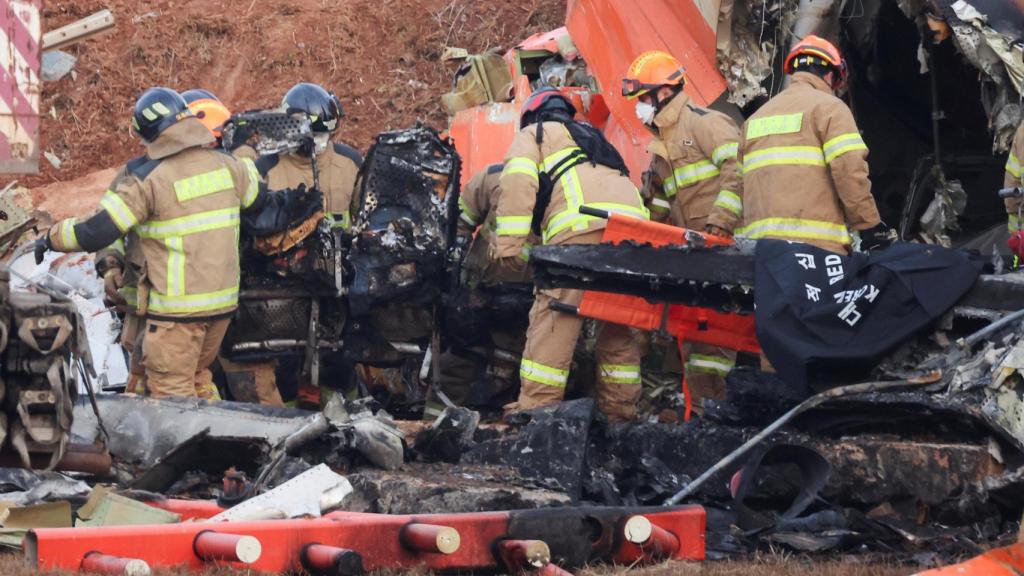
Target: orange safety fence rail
{"x": 342, "y": 543}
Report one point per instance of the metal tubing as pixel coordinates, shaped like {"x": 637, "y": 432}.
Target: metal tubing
{"x": 524, "y": 555}
{"x": 430, "y": 538}
{"x": 98, "y": 563}
{"x": 85, "y": 458}
{"x": 212, "y": 546}
{"x": 331, "y": 560}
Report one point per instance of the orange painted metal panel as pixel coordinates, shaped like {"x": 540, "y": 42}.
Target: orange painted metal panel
{"x": 611, "y": 33}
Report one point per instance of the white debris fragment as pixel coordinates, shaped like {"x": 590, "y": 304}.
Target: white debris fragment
{"x": 308, "y": 494}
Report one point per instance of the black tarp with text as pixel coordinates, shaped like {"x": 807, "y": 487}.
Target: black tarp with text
{"x": 823, "y": 318}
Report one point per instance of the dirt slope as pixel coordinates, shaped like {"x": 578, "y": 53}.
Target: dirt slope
{"x": 380, "y": 56}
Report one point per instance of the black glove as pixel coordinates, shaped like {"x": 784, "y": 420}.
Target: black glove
{"x": 41, "y": 245}
{"x": 276, "y": 211}
{"x": 878, "y": 238}
{"x": 244, "y": 131}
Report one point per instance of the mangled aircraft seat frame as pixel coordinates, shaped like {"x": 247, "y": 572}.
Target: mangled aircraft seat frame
{"x": 386, "y": 273}
{"x": 399, "y": 259}
{"x": 44, "y": 346}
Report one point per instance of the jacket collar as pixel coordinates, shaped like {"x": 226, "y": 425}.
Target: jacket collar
{"x": 182, "y": 135}
{"x": 812, "y": 80}
{"x": 670, "y": 114}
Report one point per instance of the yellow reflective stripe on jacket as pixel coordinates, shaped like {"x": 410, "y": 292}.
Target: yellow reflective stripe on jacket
{"x": 68, "y": 238}
{"x": 188, "y": 303}
{"x": 117, "y": 246}
{"x": 203, "y": 184}
{"x": 725, "y": 152}
{"x": 175, "y": 265}
{"x": 466, "y": 215}
{"x": 547, "y": 375}
{"x": 573, "y": 219}
{"x": 693, "y": 173}
{"x": 513, "y": 225}
{"x": 520, "y": 165}
{"x": 703, "y": 363}
{"x": 730, "y": 201}
{"x": 620, "y": 373}
{"x": 1013, "y": 165}
{"x": 660, "y": 204}
{"x": 669, "y": 187}
{"x": 524, "y": 253}
{"x": 772, "y": 125}
{"x": 783, "y": 156}
{"x": 797, "y": 229}
{"x": 842, "y": 144}
{"x": 549, "y": 163}
{"x": 1014, "y": 223}
{"x": 192, "y": 224}
{"x": 252, "y": 191}
{"x": 130, "y": 295}
{"x": 119, "y": 211}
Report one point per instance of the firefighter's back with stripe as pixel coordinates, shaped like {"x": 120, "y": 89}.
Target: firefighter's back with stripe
{"x": 805, "y": 171}
{"x": 183, "y": 200}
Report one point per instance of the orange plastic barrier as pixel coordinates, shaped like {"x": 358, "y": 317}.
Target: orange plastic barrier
{"x": 348, "y": 541}
{"x": 1008, "y": 561}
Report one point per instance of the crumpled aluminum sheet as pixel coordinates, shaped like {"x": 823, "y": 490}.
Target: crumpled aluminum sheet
{"x": 143, "y": 430}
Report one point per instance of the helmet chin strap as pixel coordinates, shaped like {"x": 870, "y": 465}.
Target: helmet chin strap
{"x": 660, "y": 103}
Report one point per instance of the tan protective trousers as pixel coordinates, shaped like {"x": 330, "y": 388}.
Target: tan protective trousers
{"x": 177, "y": 357}
{"x": 706, "y": 368}
{"x": 254, "y": 382}
{"x": 131, "y": 341}
{"x": 550, "y": 343}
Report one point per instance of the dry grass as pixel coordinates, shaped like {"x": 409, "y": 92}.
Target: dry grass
{"x": 773, "y": 565}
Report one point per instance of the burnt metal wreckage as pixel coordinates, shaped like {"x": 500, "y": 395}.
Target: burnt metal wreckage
{"x": 920, "y": 458}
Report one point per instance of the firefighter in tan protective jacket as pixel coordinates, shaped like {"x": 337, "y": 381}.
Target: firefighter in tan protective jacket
{"x": 805, "y": 170}
{"x": 478, "y": 205}
{"x": 337, "y": 165}
{"x": 544, "y": 150}
{"x": 184, "y": 200}
{"x": 247, "y": 381}
{"x": 694, "y": 183}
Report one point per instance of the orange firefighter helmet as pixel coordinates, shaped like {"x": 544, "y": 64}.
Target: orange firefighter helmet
{"x": 650, "y": 71}
{"x": 815, "y": 50}
{"x": 208, "y": 108}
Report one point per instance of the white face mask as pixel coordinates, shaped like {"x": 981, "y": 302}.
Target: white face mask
{"x": 646, "y": 112}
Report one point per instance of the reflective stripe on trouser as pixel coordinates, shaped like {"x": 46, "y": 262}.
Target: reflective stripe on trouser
{"x": 706, "y": 368}
{"x": 253, "y": 382}
{"x": 550, "y": 343}
{"x": 177, "y": 357}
